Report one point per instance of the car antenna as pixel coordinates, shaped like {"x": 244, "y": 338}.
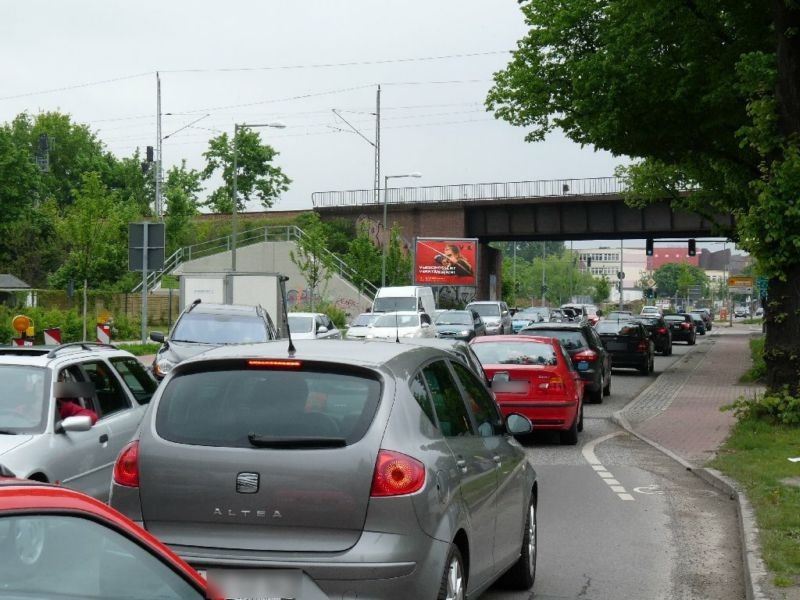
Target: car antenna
{"x": 396, "y": 325}
{"x": 283, "y": 280}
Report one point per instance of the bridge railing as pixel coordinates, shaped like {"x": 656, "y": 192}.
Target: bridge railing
{"x": 473, "y": 192}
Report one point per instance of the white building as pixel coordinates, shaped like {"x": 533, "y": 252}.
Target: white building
{"x": 606, "y": 260}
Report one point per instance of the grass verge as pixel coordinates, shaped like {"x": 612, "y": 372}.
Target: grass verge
{"x": 140, "y": 349}
{"x": 758, "y": 370}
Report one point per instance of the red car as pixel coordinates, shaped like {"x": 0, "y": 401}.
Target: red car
{"x": 58, "y": 543}
{"x": 534, "y": 376}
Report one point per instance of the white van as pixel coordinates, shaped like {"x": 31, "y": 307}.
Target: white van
{"x": 407, "y": 297}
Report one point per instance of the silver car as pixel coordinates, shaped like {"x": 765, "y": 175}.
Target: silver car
{"x": 359, "y": 327}
{"x": 36, "y": 443}
{"x": 312, "y": 326}
{"x": 374, "y": 470}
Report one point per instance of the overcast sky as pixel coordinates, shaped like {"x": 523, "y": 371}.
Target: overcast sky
{"x": 260, "y": 61}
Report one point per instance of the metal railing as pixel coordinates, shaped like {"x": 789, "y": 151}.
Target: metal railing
{"x": 473, "y": 192}
{"x": 268, "y": 233}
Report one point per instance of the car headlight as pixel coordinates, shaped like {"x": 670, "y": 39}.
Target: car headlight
{"x": 163, "y": 366}
{"x": 465, "y": 332}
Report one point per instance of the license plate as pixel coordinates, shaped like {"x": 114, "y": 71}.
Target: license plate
{"x": 583, "y": 366}
{"x": 510, "y": 387}
{"x": 265, "y": 584}
{"x": 617, "y": 346}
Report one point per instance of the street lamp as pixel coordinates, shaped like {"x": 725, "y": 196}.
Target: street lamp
{"x": 385, "y": 233}
{"x": 235, "y": 209}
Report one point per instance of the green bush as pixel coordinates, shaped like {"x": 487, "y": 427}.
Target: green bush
{"x": 758, "y": 371}
{"x": 772, "y": 407}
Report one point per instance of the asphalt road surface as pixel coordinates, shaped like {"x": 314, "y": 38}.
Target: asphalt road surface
{"x": 619, "y": 520}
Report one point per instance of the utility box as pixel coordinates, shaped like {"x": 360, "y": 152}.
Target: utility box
{"x": 266, "y": 289}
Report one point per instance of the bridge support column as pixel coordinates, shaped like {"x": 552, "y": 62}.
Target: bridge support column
{"x": 490, "y": 276}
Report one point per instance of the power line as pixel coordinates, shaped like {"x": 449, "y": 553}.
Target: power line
{"x": 76, "y": 86}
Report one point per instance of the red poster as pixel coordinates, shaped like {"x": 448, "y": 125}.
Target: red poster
{"x": 444, "y": 261}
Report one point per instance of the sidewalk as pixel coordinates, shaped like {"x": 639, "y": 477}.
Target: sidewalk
{"x": 680, "y": 415}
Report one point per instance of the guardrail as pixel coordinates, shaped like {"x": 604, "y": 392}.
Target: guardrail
{"x": 268, "y": 233}
{"x": 472, "y": 192}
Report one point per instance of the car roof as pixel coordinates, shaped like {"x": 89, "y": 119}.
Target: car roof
{"x": 485, "y": 302}
{"x": 42, "y": 356}
{"x": 367, "y": 353}
{"x": 520, "y": 337}
{"x": 556, "y": 325}
{"x": 210, "y": 307}
{"x": 308, "y": 314}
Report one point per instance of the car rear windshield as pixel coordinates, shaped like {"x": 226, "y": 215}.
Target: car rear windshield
{"x": 362, "y": 320}
{"x": 394, "y": 320}
{"x": 516, "y": 353}
{"x": 677, "y": 318}
{"x": 395, "y": 304}
{"x": 454, "y": 318}
{"x": 648, "y": 322}
{"x": 571, "y": 340}
{"x": 623, "y": 328}
{"x": 210, "y": 328}
{"x": 486, "y": 310}
{"x": 244, "y": 407}
{"x": 299, "y": 324}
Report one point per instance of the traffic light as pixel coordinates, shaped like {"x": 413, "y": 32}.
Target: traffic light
{"x": 649, "y": 250}
{"x": 692, "y": 247}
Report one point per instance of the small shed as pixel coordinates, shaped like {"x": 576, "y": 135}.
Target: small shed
{"x": 10, "y": 288}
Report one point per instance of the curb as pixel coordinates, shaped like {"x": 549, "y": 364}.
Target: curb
{"x": 754, "y": 568}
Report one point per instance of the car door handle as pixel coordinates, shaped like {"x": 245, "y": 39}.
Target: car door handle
{"x": 104, "y": 438}
{"x": 462, "y": 464}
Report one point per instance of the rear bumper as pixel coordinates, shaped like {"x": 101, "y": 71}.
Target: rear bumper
{"x": 543, "y": 415}
{"x": 629, "y": 360}
{"x": 380, "y": 566}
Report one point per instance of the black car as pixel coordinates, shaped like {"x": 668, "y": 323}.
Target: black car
{"x": 203, "y": 326}
{"x": 699, "y": 322}
{"x": 586, "y": 350}
{"x": 708, "y": 322}
{"x": 682, "y": 328}
{"x": 659, "y": 332}
{"x": 629, "y": 344}
{"x": 459, "y": 324}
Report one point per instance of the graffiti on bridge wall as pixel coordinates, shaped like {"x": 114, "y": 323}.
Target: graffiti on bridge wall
{"x": 377, "y": 234}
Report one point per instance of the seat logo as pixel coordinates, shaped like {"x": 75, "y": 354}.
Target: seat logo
{"x": 247, "y": 483}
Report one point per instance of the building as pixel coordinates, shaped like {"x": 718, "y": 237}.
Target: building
{"x": 607, "y": 261}
{"x": 676, "y": 254}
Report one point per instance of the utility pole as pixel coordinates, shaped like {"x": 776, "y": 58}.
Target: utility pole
{"x": 377, "y": 146}
{"x": 622, "y": 276}
{"x": 514, "y": 271}
{"x": 157, "y": 205}
{"x": 544, "y": 277}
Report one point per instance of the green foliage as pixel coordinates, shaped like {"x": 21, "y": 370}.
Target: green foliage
{"x": 312, "y": 258}
{"x": 257, "y": 177}
{"x": 398, "y": 260}
{"x": 563, "y": 278}
{"x": 364, "y": 258}
{"x": 530, "y": 250}
{"x": 773, "y": 407}
{"x": 181, "y": 195}
{"x": 758, "y": 371}
{"x": 602, "y": 290}
{"x": 140, "y": 349}
{"x": 677, "y": 277}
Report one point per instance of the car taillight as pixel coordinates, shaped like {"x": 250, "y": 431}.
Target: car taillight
{"x": 643, "y": 346}
{"x": 396, "y": 474}
{"x": 585, "y": 355}
{"x": 662, "y": 331}
{"x": 126, "y": 469}
{"x": 553, "y": 385}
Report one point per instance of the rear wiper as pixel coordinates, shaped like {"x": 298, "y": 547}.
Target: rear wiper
{"x": 8, "y": 432}
{"x": 260, "y": 441}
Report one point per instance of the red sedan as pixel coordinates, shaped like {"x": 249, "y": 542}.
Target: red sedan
{"x": 57, "y": 543}
{"x": 533, "y": 376}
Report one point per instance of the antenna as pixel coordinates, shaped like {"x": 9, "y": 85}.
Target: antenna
{"x": 396, "y": 325}
{"x": 283, "y": 279}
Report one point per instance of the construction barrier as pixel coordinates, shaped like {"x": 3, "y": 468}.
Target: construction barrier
{"x": 52, "y": 336}
{"x": 104, "y": 334}
{"x": 23, "y": 342}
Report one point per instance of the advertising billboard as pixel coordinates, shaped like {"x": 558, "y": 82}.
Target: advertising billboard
{"x": 446, "y": 261}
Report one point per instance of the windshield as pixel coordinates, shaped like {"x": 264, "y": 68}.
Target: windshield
{"x": 23, "y": 401}
{"x": 243, "y": 407}
{"x": 454, "y": 318}
{"x": 571, "y": 340}
{"x": 674, "y": 318}
{"x": 207, "y": 328}
{"x": 395, "y": 320}
{"x": 394, "y": 304}
{"x": 618, "y": 328}
{"x": 363, "y": 320}
{"x": 516, "y": 353}
{"x": 64, "y": 556}
{"x": 301, "y": 324}
{"x": 486, "y": 310}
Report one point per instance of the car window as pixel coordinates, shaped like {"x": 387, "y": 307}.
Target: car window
{"x": 516, "y": 353}
{"x": 300, "y": 324}
{"x": 571, "y": 339}
{"x": 222, "y": 407}
{"x": 395, "y": 320}
{"x": 23, "y": 401}
{"x": 136, "y": 377}
{"x": 451, "y": 412}
{"x": 208, "y": 328}
{"x": 110, "y": 395}
{"x": 454, "y": 318}
{"x": 487, "y": 415}
{"x": 73, "y": 374}
{"x": 111, "y": 567}
{"x": 486, "y": 310}
{"x": 420, "y": 393}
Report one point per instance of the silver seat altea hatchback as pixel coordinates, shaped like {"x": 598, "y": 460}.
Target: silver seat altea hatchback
{"x": 379, "y": 470}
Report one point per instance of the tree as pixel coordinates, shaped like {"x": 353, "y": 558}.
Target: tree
{"x": 602, "y": 290}
{"x": 673, "y": 278}
{"x": 258, "y": 177}
{"x": 181, "y": 192}
{"x": 364, "y": 258}
{"x": 705, "y": 95}
{"x": 312, "y": 257}
{"x": 398, "y": 260}
{"x": 94, "y": 229}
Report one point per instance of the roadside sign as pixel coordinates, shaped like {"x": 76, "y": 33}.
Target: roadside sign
{"x": 762, "y": 283}
{"x": 740, "y": 285}
{"x": 651, "y": 282}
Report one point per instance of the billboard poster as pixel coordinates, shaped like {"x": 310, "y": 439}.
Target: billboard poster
{"x": 446, "y": 261}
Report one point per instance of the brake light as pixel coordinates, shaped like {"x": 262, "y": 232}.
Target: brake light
{"x": 588, "y": 355}
{"x": 126, "y": 469}
{"x": 275, "y": 364}
{"x": 686, "y": 326}
{"x": 397, "y": 474}
{"x": 643, "y": 346}
{"x": 662, "y": 330}
{"x": 553, "y": 385}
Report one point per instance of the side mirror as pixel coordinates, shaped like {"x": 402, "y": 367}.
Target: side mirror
{"x": 322, "y": 329}
{"x": 517, "y": 424}
{"x": 425, "y": 325}
{"x": 80, "y": 423}
{"x": 157, "y": 336}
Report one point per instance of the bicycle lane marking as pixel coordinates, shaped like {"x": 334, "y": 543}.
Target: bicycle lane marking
{"x": 600, "y": 469}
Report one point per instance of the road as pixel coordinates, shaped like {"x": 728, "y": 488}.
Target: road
{"x": 619, "y": 520}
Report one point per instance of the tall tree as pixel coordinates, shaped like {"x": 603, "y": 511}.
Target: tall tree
{"x": 398, "y": 260}
{"x": 602, "y": 289}
{"x": 704, "y": 94}
{"x": 364, "y": 258}
{"x": 673, "y": 278}
{"x": 312, "y": 257}
{"x": 258, "y": 177}
{"x": 182, "y": 189}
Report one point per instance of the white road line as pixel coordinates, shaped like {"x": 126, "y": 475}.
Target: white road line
{"x": 605, "y": 474}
